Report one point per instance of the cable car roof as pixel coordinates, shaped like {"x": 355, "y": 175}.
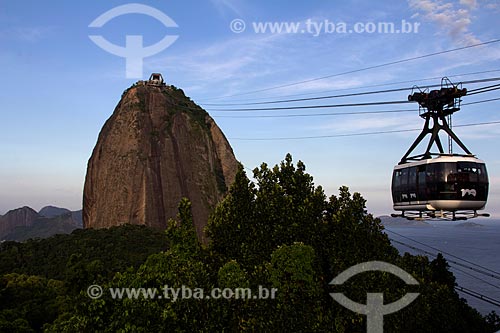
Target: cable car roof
{"x": 441, "y": 159}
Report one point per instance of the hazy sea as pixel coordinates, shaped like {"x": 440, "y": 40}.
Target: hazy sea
{"x": 479, "y": 244}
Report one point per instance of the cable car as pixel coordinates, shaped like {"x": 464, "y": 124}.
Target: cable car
{"x": 449, "y": 183}
{"x": 439, "y": 185}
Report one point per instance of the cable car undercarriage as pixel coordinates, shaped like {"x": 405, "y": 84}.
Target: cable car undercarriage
{"x": 439, "y": 185}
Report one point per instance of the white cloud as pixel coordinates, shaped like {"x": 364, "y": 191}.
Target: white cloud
{"x": 453, "y": 21}
{"x": 251, "y": 62}
{"x": 226, "y": 65}
{"x": 493, "y": 5}
{"x": 470, "y": 3}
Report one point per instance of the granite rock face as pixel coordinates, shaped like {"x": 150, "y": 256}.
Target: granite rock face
{"x": 20, "y": 217}
{"x": 157, "y": 147}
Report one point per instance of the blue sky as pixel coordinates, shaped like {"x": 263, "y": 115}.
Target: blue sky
{"x": 58, "y": 87}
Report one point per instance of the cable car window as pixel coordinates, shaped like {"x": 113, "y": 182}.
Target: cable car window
{"x": 469, "y": 171}
{"x": 483, "y": 176}
{"x": 422, "y": 174}
{"x": 449, "y": 172}
{"x": 431, "y": 173}
{"x": 404, "y": 177}
{"x": 468, "y": 167}
{"x": 421, "y": 188}
{"x": 439, "y": 172}
{"x": 412, "y": 177}
{"x": 396, "y": 179}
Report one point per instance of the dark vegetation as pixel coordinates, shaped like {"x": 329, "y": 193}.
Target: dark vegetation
{"x": 280, "y": 232}
{"x": 185, "y": 104}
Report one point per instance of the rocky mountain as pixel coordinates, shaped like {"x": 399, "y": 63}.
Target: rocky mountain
{"x": 157, "y": 147}
{"x": 20, "y": 217}
{"x": 24, "y": 223}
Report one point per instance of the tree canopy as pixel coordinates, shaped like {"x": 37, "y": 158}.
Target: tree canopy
{"x": 279, "y": 235}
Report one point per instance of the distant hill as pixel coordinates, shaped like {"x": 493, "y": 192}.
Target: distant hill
{"x": 24, "y": 223}
{"x": 52, "y": 211}
{"x": 20, "y": 217}
{"x": 390, "y": 221}
{"x": 469, "y": 225}
{"x": 77, "y": 216}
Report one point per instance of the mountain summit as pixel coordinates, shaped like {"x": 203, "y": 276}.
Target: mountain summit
{"x": 157, "y": 147}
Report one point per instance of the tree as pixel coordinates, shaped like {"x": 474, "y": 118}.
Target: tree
{"x": 292, "y": 273}
{"x": 283, "y": 207}
{"x": 29, "y": 302}
{"x": 181, "y": 233}
{"x": 281, "y": 232}
{"x": 153, "y": 308}
{"x": 262, "y": 223}
{"x": 440, "y": 272}
{"x": 232, "y": 221}
{"x": 493, "y": 321}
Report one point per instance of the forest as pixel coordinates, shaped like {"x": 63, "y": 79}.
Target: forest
{"x": 278, "y": 231}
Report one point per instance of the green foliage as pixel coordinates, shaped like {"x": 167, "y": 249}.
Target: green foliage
{"x": 171, "y": 269}
{"x": 292, "y": 273}
{"x": 237, "y": 210}
{"x": 440, "y": 272}
{"x": 285, "y": 207}
{"x": 278, "y": 236}
{"x": 40, "y": 280}
{"x": 116, "y": 248}
{"x": 493, "y": 322}
{"x": 219, "y": 177}
{"x": 181, "y": 233}
{"x": 292, "y": 267}
{"x": 186, "y": 105}
{"x": 231, "y": 275}
{"x": 28, "y": 302}
{"x": 179, "y": 267}
{"x": 262, "y": 222}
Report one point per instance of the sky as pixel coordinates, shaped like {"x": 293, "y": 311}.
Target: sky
{"x": 58, "y": 87}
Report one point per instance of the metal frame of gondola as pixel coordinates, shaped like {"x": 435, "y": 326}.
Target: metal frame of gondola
{"x": 436, "y": 105}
